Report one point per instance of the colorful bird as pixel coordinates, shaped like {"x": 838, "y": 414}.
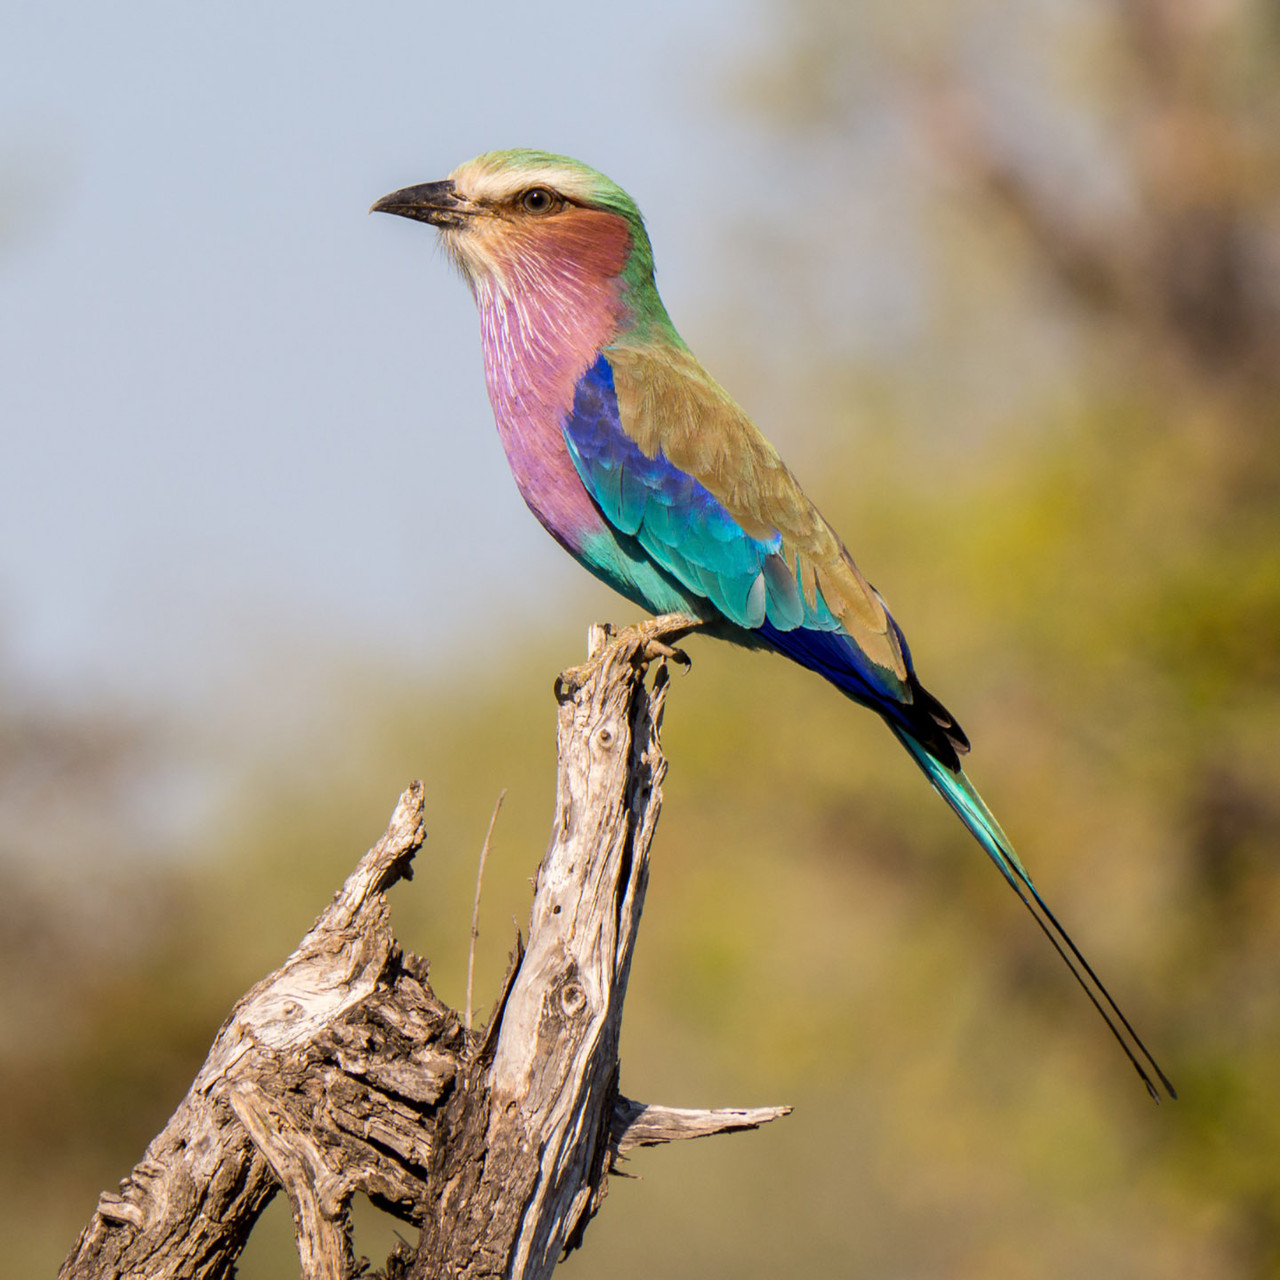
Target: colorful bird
{"x": 644, "y": 469}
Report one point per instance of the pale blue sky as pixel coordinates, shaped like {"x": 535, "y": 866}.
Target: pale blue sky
{"x": 233, "y": 407}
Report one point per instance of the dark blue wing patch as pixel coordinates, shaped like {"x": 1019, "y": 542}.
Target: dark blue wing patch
{"x": 835, "y": 657}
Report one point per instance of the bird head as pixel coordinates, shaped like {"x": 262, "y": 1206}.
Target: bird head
{"x": 511, "y": 218}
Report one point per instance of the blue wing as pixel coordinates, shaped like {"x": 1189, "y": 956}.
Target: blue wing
{"x": 677, "y": 521}
{"x": 689, "y": 533}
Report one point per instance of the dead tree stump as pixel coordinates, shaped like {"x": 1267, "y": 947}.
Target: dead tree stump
{"x": 342, "y": 1072}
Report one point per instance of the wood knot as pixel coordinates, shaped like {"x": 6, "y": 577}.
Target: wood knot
{"x": 606, "y": 737}
{"x": 573, "y": 999}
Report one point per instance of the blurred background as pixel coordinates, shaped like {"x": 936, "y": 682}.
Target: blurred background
{"x": 1002, "y": 279}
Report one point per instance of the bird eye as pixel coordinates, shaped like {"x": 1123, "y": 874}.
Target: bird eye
{"x": 538, "y": 200}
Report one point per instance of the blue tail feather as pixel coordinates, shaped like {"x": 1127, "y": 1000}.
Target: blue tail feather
{"x": 935, "y": 741}
{"x": 963, "y": 798}
{"x": 956, "y": 789}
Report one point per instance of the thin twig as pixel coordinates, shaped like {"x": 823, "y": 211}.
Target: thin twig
{"x": 475, "y": 911}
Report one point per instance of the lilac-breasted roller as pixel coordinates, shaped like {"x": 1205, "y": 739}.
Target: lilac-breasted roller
{"x": 644, "y": 469}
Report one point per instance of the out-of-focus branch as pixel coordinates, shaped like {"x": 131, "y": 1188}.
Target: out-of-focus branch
{"x": 1092, "y": 267}
{"x": 1188, "y": 265}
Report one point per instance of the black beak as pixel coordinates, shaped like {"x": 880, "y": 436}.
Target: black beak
{"x": 433, "y": 202}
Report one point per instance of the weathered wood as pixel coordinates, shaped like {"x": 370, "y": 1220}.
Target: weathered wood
{"x": 342, "y": 1072}
{"x": 637, "y": 1125}
{"x": 525, "y": 1161}
{"x": 344, "y": 1044}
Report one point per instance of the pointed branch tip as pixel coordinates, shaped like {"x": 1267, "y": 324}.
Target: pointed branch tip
{"x": 637, "y": 1124}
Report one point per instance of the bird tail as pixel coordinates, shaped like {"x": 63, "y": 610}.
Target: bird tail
{"x": 956, "y": 789}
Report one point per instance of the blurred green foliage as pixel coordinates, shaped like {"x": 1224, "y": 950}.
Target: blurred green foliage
{"x": 1064, "y": 470}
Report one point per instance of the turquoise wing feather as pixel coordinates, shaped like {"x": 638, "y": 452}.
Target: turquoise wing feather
{"x": 678, "y": 522}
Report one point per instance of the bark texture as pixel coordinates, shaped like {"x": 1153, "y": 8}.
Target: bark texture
{"x": 342, "y": 1072}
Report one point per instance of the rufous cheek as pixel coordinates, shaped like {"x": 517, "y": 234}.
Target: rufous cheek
{"x": 588, "y": 243}
{"x": 598, "y": 242}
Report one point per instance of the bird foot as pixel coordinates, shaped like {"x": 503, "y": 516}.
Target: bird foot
{"x": 642, "y": 644}
{"x": 653, "y": 636}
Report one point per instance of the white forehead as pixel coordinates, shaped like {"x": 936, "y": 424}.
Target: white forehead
{"x": 476, "y": 180}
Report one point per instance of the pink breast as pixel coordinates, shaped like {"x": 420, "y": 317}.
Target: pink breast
{"x": 540, "y": 333}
